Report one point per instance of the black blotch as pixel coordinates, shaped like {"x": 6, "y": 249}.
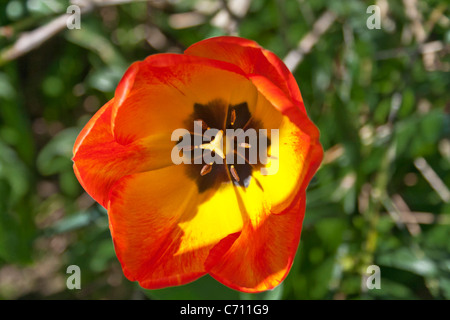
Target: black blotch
{"x": 213, "y": 114}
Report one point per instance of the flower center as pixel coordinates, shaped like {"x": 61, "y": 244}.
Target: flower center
{"x": 215, "y": 145}
{"x": 224, "y": 137}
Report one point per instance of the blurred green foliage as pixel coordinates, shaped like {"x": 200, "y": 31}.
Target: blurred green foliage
{"x": 380, "y": 98}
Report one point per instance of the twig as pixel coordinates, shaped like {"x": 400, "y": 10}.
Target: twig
{"x": 29, "y": 41}
{"x": 295, "y": 56}
{"x": 424, "y": 48}
{"x": 426, "y": 218}
{"x": 332, "y": 154}
{"x": 405, "y": 215}
{"x": 433, "y": 179}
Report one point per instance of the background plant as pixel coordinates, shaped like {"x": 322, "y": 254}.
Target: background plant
{"x": 379, "y": 97}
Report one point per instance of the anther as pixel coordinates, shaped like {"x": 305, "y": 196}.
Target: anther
{"x": 233, "y": 116}
{"x": 206, "y": 169}
{"x": 234, "y": 173}
{"x": 245, "y": 145}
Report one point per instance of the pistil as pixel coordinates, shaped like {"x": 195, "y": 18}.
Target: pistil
{"x": 215, "y": 145}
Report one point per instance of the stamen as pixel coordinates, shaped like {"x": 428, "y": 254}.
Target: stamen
{"x": 206, "y": 169}
{"x": 234, "y": 173}
{"x": 216, "y": 144}
{"x": 233, "y": 116}
{"x": 245, "y": 145}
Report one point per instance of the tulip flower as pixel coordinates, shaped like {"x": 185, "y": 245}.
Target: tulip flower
{"x": 176, "y": 215}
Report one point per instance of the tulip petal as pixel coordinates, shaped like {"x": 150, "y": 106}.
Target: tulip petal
{"x": 293, "y": 160}
{"x": 252, "y": 59}
{"x": 273, "y": 208}
{"x": 259, "y": 258}
{"x": 99, "y": 161}
{"x": 273, "y": 204}
{"x": 161, "y": 92}
{"x": 298, "y": 135}
{"x": 163, "y": 228}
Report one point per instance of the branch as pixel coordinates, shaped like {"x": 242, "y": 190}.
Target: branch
{"x": 295, "y": 56}
{"x": 433, "y": 179}
{"x": 29, "y": 41}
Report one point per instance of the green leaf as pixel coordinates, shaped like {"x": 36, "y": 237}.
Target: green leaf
{"x": 56, "y": 156}
{"x": 406, "y": 259}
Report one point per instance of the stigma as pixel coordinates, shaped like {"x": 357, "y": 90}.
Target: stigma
{"x": 215, "y": 145}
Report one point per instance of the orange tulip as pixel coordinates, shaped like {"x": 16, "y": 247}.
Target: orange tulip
{"x": 173, "y": 223}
